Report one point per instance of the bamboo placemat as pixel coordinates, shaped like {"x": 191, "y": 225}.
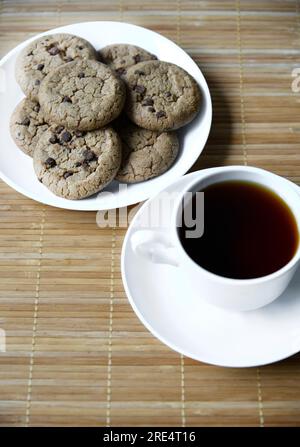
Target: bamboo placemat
{"x": 76, "y": 352}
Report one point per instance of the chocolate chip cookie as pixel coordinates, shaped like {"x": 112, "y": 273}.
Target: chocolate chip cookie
{"x": 161, "y": 96}
{"x": 45, "y": 54}
{"x": 145, "y": 153}
{"x": 27, "y": 125}
{"x": 120, "y": 56}
{"x": 82, "y": 95}
{"x": 76, "y": 164}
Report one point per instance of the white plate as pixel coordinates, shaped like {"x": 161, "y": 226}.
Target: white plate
{"x": 16, "y": 168}
{"x": 178, "y": 317}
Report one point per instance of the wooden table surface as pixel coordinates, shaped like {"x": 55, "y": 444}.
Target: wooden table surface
{"x": 76, "y": 352}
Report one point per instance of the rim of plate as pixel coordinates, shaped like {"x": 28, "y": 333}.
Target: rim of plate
{"x": 149, "y": 326}
{"x": 118, "y": 202}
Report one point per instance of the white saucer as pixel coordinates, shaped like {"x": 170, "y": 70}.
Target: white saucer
{"x": 178, "y": 317}
{"x": 16, "y": 168}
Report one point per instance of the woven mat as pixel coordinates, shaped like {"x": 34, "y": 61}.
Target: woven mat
{"x": 76, "y": 352}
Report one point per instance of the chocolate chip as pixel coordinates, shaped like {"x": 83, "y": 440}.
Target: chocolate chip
{"x": 139, "y": 88}
{"x": 81, "y": 75}
{"x": 153, "y": 57}
{"x": 26, "y": 121}
{"x": 139, "y": 72}
{"x": 40, "y": 180}
{"x": 121, "y": 71}
{"x": 69, "y": 59}
{"x": 68, "y": 174}
{"x": 59, "y": 129}
{"x": 66, "y": 136}
{"x": 37, "y": 108}
{"x": 66, "y": 99}
{"x": 79, "y": 47}
{"x": 78, "y": 164}
{"x": 50, "y": 163}
{"x": 151, "y": 109}
{"x": 148, "y": 102}
{"x": 168, "y": 94}
{"x": 40, "y": 67}
{"x": 123, "y": 61}
{"x": 54, "y": 51}
{"x": 53, "y": 139}
{"x": 37, "y": 82}
{"x": 89, "y": 155}
{"x": 161, "y": 114}
{"x": 137, "y": 58}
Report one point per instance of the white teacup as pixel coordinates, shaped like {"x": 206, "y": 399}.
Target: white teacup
{"x": 237, "y": 294}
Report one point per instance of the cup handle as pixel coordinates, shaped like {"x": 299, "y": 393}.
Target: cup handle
{"x": 155, "y": 246}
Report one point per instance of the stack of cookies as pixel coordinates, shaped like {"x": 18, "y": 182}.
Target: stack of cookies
{"x": 87, "y": 122}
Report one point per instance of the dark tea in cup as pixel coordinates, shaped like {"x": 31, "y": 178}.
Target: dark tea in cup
{"x": 249, "y": 231}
